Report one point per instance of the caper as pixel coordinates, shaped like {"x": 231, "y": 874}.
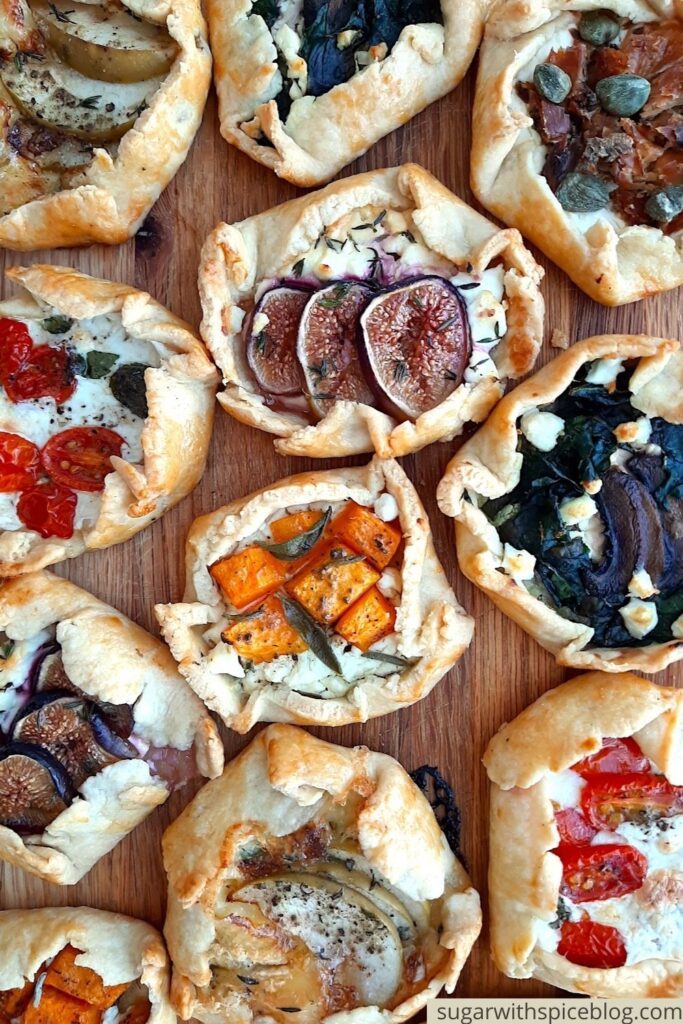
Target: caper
{"x": 552, "y": 82}
{"x": 623, "y": 95}
{"x": 583, "y": 193}
{"x": 663, "y": 206}
{"x": 598, "y": 28}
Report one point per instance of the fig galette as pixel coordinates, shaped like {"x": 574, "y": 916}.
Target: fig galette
{"x": 96, "y": 727}
{"x": 322, "y": 885}
{"x": 81, "y": 966}
{"x": 318, "y": 599}
{"x": 578, "y": 138}
{"x": 381, "y": 313}
{"x": 99, "y": 103}
{"x": 569, "y": 504}
{"x": 106, "y": 408}
{"x": 586, "y": 850}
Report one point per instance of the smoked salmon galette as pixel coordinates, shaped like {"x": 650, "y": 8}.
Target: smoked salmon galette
{"x": 586, "y": 845}
{"x": 81, "y": 966}
{"x": 319, "y": 599}
{"x": 578, "y": 138}
{"x": 97, "y": 728}
{"x": 312, "y": 882}
{"x": 379, "y": 314}
{"x": 106, "y": 409}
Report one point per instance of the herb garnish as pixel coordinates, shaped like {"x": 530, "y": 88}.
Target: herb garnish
{"x": 56, "y": 324}
{"x": 62, "y": 16}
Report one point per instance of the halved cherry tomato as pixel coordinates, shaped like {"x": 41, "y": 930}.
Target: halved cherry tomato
{"x": 590, "y": 944}
{"x": 573, "y": 827}
{"x": 611, "y": 799}
{"x": 45, "y": 373}
{"x": 81, "y": 457}
{"x": 15, "y": 346}
{"x": 600, "y": 872}
{"x": 48, "y": 509}
{"x": 615, "y": 755}
{"x": 19, "y": 463}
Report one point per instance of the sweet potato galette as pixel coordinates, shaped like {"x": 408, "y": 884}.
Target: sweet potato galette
{"x": 578, "y": 138}
{"x": 319, "y": 599}
{"x": 312, "y": 880}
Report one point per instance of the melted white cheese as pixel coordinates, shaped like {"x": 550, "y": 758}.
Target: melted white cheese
{"x": 604, "y": 371}
{"x": 640, "y": 617}
{"x": 541, "y": 429}
{"x": 564, "y": 788}
{"x": 14, "y": 670}
{"x": 519, "y": 564}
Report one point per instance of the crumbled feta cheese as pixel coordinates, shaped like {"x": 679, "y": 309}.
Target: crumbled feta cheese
{"x": 641, "y": 584}
{"x": 619, "y": 458}
{"x": 604, "y": 371}
{"x": 518, "y": 564}
{"x": 288, "y": 43}
{"x": 347, "y": 38}
{"x": 677, "y": 628}
{"x": 386, "y": 507}
{"x": 640, "y": 617}
{"x": 576, "y": 510}
{"x": 390, "y": 583}
{"x": 378, "y": 51}
{"x": 542, "y": 429}
{"x": 591, "y": 486}
{"x": 480, "y": 366}
{"x": 259, "y": 323}
{"x": 635, "y": 432}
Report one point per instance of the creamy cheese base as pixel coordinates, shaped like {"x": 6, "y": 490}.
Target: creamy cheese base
{"x": 14, "y": 668}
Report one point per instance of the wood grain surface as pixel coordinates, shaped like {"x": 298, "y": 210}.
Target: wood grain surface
{"x": 503, "y": 670}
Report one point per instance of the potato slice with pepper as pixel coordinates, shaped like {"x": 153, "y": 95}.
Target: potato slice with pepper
{"x": 80, "y": 982}
{"x": 332, "y": 582}
{"x": 264, "y": 635}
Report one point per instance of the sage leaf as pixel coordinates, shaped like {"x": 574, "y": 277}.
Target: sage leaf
{"x": 302, "y": 543}
{"x": 99, "y": 363}
{"x": 56, "y": 324}
{"x": 311, "y": 631}
{"x": 391, "y": 659}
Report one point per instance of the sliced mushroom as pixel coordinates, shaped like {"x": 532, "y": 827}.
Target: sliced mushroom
{"x": 271, "y": 346}
{"x": 34, "y": 788}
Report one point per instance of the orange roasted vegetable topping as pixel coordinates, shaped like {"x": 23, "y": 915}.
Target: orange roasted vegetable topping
{"x": 264, "y": 636}
{"x": 248, "y": 576}
{"x": 367, "y": 534}
{"x": 55, "y": 1007}
{"x": 332, "y": 582}
{"x": 14, "y": 1000}
{"x": 368, "y": 620}
{"x": 83, "y": 983}
{"x": 291, "y": 526}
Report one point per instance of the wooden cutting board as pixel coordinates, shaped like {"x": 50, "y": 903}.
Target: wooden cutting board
{"x": 503, "y": 671}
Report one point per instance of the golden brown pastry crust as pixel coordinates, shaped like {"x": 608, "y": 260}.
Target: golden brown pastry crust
{"x": 237, "y": 257}
{"x": 488, "y": 465}
{"x": 611, "y": 265}
{"x": 113, "y": 195}
{"x": 273, "y": 788}
{"x": 555, "y": 732}
{"x": 140, "y": 671}
{"x": 177, "y": 431}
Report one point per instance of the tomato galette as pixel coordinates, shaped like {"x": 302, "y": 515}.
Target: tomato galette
{"x": 323, "y": 886}
{"x": 106, "y": 408}
{"x": 578, "y": 138}
{"x": 380, "y": 313}
{"x": 569, "y": 504}
{"x": 586, "y": 853}
{"x": 319, "y": 599}
{"x": 86, "y": 754}
{"x": 99, "y": 103}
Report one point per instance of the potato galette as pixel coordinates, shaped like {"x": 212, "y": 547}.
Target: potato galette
{"x": 99, "y": 104}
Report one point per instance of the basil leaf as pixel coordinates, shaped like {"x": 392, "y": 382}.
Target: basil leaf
{"x": 56, "y": 324}
{"x": 6, "y": 649}
{"x": 99, "y": 363}
{"x": 302, "y": 543}
{"x": 311, "y": 631}
{"x": 391, "y": 659}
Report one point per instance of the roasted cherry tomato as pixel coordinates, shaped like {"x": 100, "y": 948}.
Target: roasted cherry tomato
{"x": 81, "y": 457}
{"x": 600, "y": 872}
{"x": 590, "y": 944}
{"x": 48, "y": 509}
{"x": 15, "y": 347}
{"x": 615, "y": 755}
{"x": 45, "y": 373}
{"x": 573, "y": 827}
{"x": 19, "y": 463}
{"x": 611, "y": 799}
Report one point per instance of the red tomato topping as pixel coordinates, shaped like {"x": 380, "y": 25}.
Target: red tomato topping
{"x": 81, "y": 457}
{"x": 600, "y": 872}
{"x": 45, "y": 373}
{"x": 609, "y": 800}
{"x": 15, "y": 346}
{"x": 19, "y": 463}
{"x": 615, "y": 755}
{"x": 573, "y": 827}
{"x": 48, "y": 509}
{"x": 592, "y": 945}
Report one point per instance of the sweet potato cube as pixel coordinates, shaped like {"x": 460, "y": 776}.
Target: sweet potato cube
{"x": 57, "y": 1007}
{"x": 368, "y": 620}
{"x": 331, "y": 583}
{"x": 83, "y": 983}
{"x": 248, "y": 576}
{"x": 367, "y": 534}
{"x": 13, "y": 1001}
{"x": 291, "y": 526}
{"x": 266, "y": 636}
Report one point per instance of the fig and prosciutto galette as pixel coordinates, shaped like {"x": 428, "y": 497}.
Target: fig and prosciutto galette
{"x": 81, "y": 966}
{"x": 306, "y": 86}
{"x": 99, "y": 103}
{"x": 319, "y": 599}
{"x": 578, "y": 138}
{"x": 381, "y": 313}
{"x": 312, "y": 880}
{"x": 96, "y": 728}
{"x": 586, "y": 846}
{"x": 569, "y": 504}
{"x": 106, "y": 408}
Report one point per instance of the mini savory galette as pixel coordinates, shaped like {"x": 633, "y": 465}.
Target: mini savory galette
{"x": 96, "y": 728}
{"x": 578, "y": 138}
{"x": 106, "y": 408}
{"x": 323, "y": 885}
{"x": 74, "y": 965}
{"x": 306, "y": 86}
{"x": 380, "y": 313}
{"x": 569, "y": 504}
{"x": 586, "y": 850}
{"x": 319, "y": 599}
{"x": 99, "y": 103}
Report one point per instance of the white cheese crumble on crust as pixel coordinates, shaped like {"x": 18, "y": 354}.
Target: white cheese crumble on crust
{"x": 386, "y": 507}
{"x": 520, "y": 565}
{"x": 541, "y": 429}
{"x": 604, "y": 371}
{"x": 577, "y": 510}
{"x": 640, "y": 617}
{"x": 677, "y": 628}
{"x": 641, "y": 584}
{"x": 635, "y": 432}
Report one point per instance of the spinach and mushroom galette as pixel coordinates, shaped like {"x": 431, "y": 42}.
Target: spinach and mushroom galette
{"x": 578, "y": 138}
{"x": 99, "y": 103}
{"x": 569, "y": 504}
{"x": 97, "y": 728}
{"x": 319, "y": 599}
{"x": 586, "y": 851}
{"x": 381, "y": 313}
{"x": 312, "y": 882}
{"x": 106, "y": 408}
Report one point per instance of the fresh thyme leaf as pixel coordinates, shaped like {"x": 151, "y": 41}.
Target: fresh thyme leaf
{"x": 302, "y": 543}
{"x": 416, "y": 301}
{"x": 246, "y": 980}
{"x": 321, "y": 369}
{"x": 466, "y": 287}
{"x": 332, "y": 243}
{"x": 311, "y": 631}
{"x": 361, "y": 227}
{"x": 379, "y": 218}
{"x": 487, "y": 341}
{"x": 391, "y": 659}
{"x": 400, "y": 370}
{"x": 62, "y": 16}
{"x": 446, "y": 323}
{"x": 90, "y": 102}
{"x": 261, "y": 343}
{"x": 409, "y": 235}
{"x": 289, "y": 1009}
{"x": 6, "y": 649}
{"x": 563, "y": 914}
{"x": 298, "y": 268}
{"x": 56, "y": 324}
{"x": 99, "y": 363}
{"x": 347, "y": 559}
{"x": 338, "y": 294}
{"x": 451, "y": 375}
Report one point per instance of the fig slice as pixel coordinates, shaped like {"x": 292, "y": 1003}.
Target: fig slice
{"x": 34, "y": 788}
{"x": 415, "y": 340}
{"x": 271, "y": 349}
{"x": 327, "y": 348}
